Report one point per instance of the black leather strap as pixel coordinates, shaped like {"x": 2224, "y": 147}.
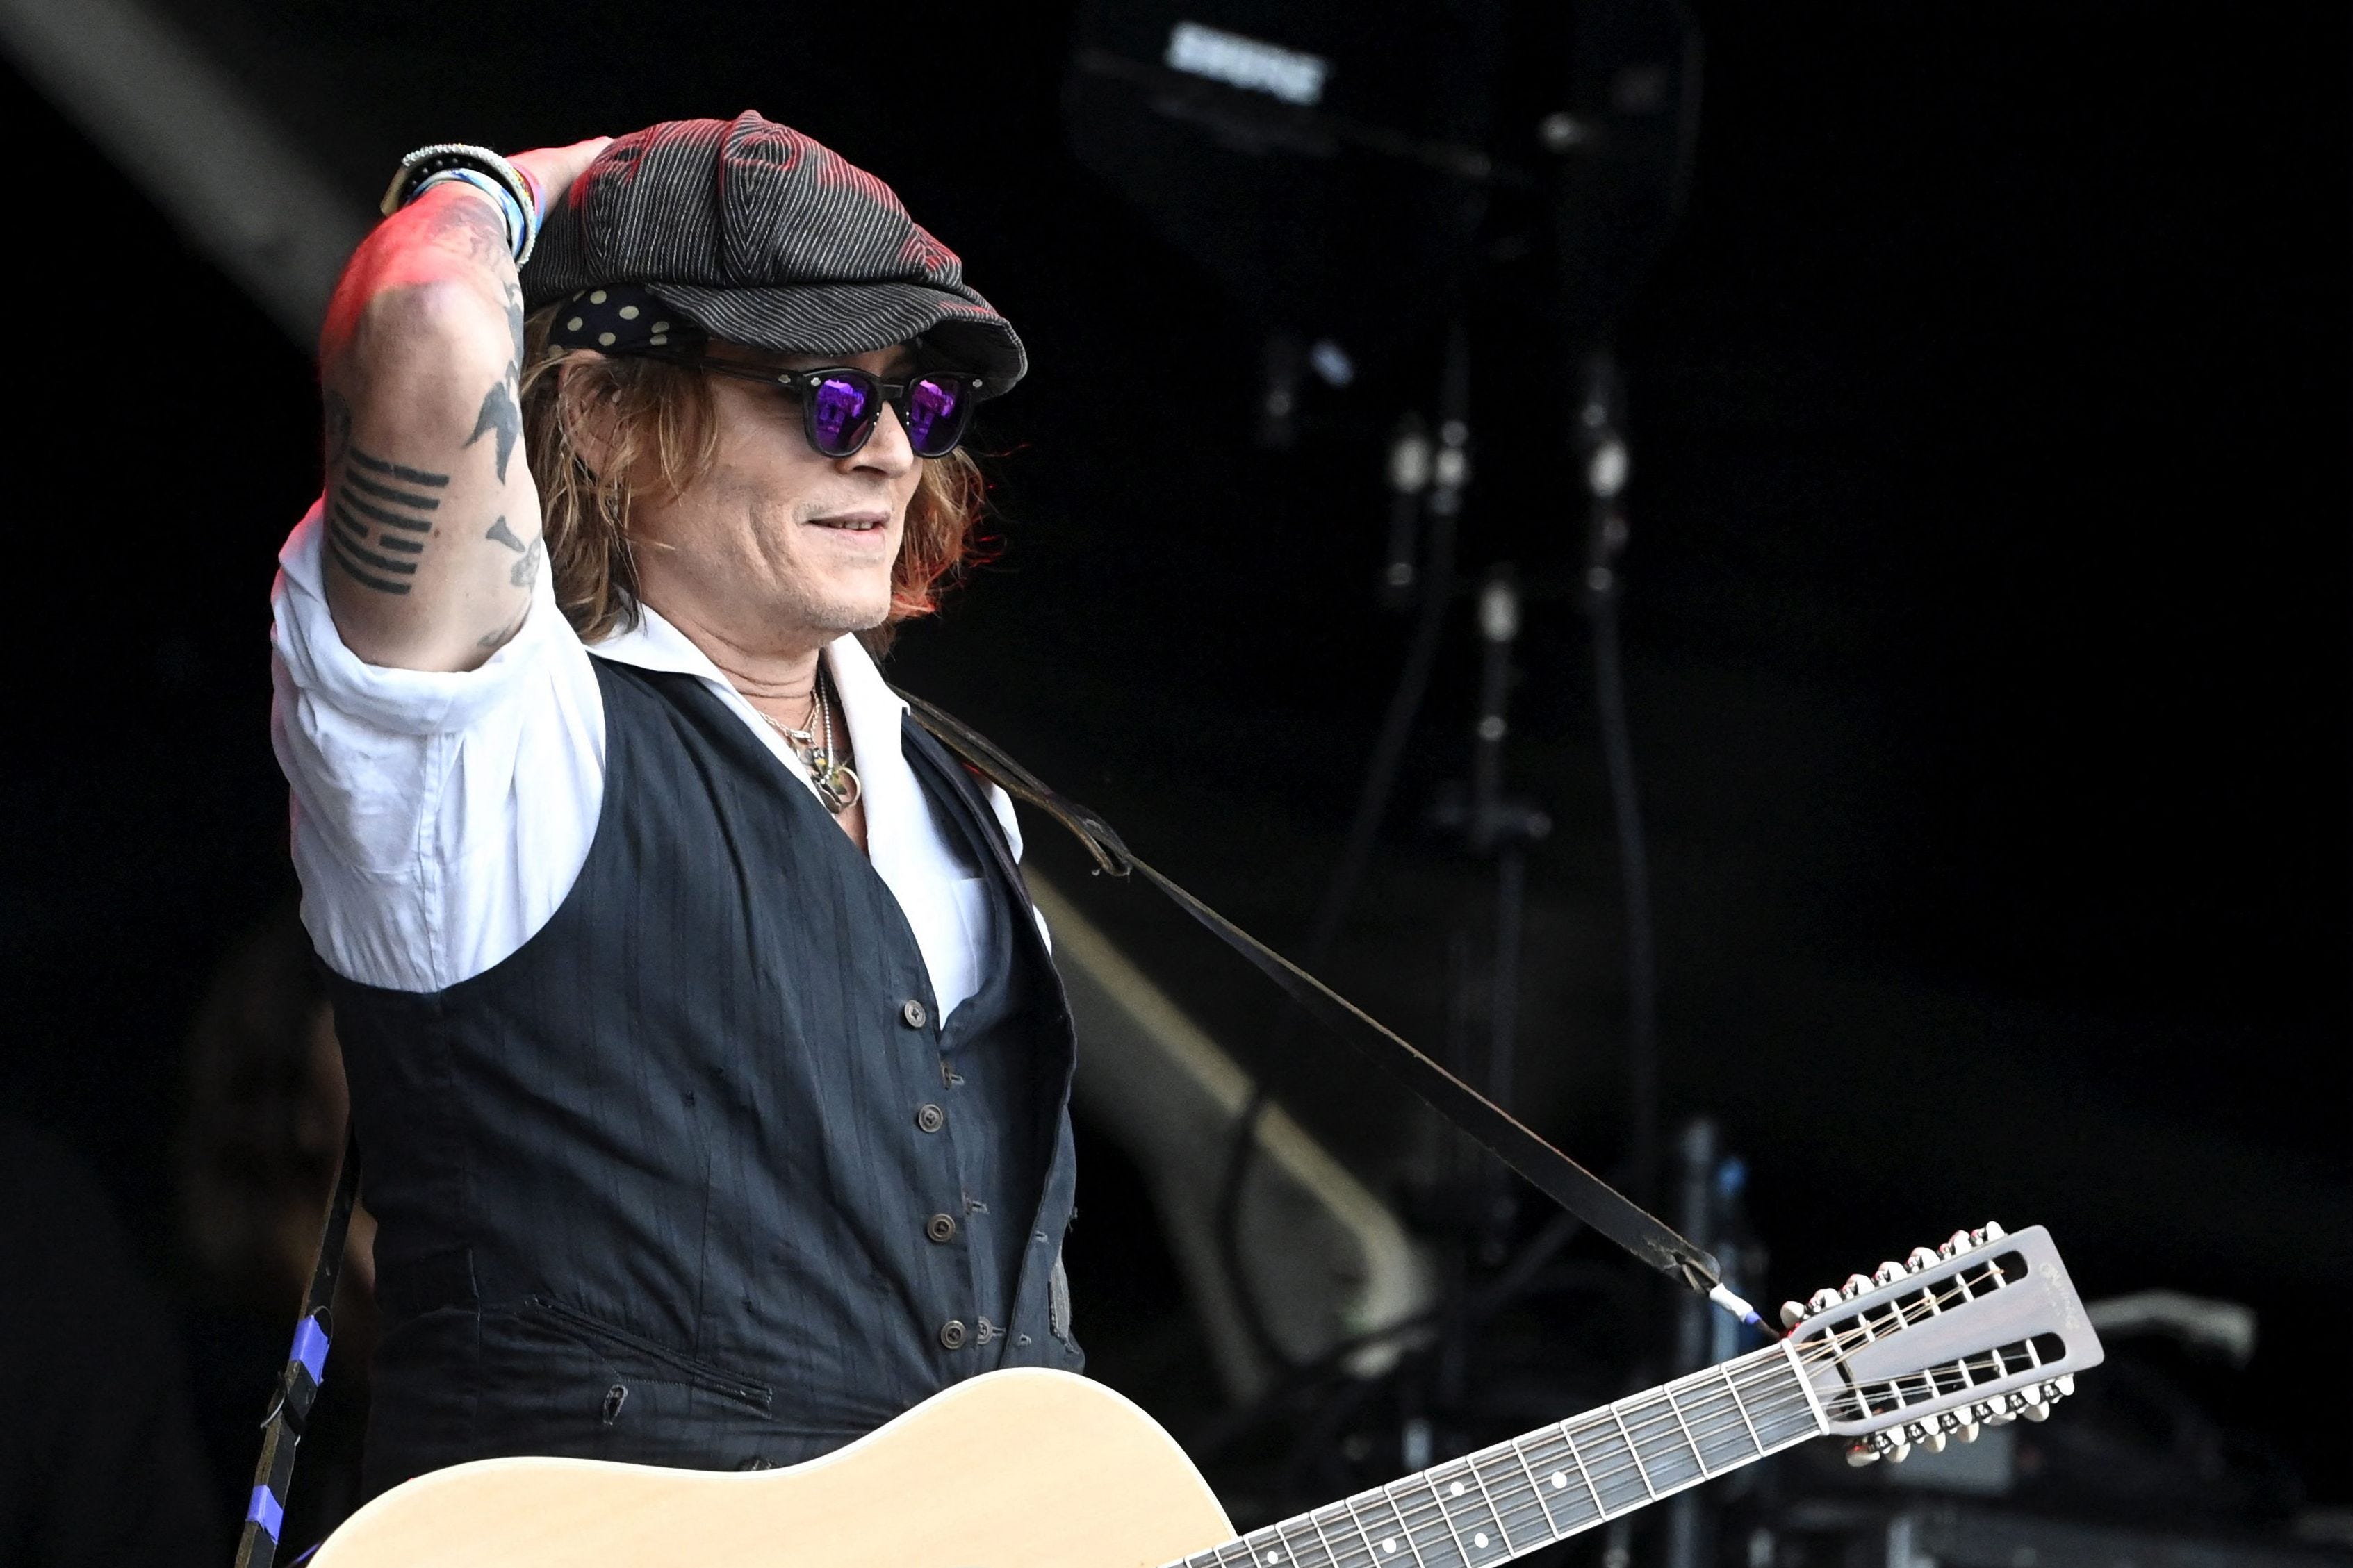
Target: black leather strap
{"x": 298, "y": 1386}
{"x": 1557, "y": 1176}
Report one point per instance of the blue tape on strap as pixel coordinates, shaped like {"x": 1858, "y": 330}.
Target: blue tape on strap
{"x": 310, "y": 1349}
{"x": 267, "y": 1511}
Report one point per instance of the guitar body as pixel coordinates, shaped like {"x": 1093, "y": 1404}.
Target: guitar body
{"x": 1020, "y": 1468}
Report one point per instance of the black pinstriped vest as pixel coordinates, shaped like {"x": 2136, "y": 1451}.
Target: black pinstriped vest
{"x": 697, "y": 1176}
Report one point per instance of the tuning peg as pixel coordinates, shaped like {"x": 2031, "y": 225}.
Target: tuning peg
{"x": 1823, "y": 1299}
{"x": 1899, "y": 1452}
{"x": 1856, "y": 1284}
{"x": 1968, "y": 1429}
{"x": 2065, "y": 1383}
{"x": 1860, "y": 1453}
{"x": 1956, "y": 1244}
{"x": 1924, "y": 1434}
{"x": 1792, "y": 1313}
{"x": 2038, "y": 1411}
{"x": 1921, "y": 1258}
{"x": 1887, "y": 1274}
{"x": 1991, "y": 1233}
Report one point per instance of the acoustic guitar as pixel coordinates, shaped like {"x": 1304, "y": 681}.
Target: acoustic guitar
{"x": 1033, "y": 1469}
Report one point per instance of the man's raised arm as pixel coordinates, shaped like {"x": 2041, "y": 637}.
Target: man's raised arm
{"x": 431, "y": 519}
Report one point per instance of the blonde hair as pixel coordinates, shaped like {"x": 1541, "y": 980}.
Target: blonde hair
{"x": 659, "y": 428}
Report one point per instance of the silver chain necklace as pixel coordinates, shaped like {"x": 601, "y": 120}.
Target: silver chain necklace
{"x": 837, "y": 782}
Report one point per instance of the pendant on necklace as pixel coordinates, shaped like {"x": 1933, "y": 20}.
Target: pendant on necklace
{"x": 837, "y": 783}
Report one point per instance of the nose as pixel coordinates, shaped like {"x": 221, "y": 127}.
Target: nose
{"x": 887, "y": 451}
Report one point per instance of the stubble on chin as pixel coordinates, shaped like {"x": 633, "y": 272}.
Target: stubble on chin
{"x": 834, "y": 616}
{"x": 805, "y": 601}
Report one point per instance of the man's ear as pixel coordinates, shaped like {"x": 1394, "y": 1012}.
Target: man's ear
{"x": 585, "y": 407}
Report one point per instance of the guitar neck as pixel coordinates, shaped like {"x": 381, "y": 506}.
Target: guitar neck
{"x": 1549, "y": 1484}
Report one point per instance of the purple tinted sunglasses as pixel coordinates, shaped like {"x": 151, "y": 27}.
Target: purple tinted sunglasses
{"x": 841, "y": 404}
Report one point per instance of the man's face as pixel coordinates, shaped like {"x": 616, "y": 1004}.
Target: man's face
{"x": 778, "y": 548}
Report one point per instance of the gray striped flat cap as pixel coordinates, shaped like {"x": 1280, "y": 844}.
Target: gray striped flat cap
{"x": 761, "y": 235}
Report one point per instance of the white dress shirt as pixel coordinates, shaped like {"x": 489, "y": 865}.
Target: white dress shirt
{"x": 441, "y": 819}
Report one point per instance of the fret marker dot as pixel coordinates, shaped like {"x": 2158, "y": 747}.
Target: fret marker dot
{"x": 1391, "y": 1544}
{"x": 1456, "y": 1489}
{"x": 1559, "y": 1480}
{"x": 1480, "y": 1539}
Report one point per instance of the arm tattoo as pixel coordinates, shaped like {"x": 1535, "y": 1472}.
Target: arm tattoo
{"x": 526, "y": 571}
{"x": 515, "y": 324}
{"x": 379, "y": 514}
{"x": 501, "y": 413}
{"x": 499, "y": 417}
{"x": 526, "y": 576}
{"x": 468, "y": 227}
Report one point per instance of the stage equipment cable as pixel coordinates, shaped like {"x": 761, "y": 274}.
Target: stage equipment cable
{"x": 1379, "y": 782}
{"x": 1606, "y": 469}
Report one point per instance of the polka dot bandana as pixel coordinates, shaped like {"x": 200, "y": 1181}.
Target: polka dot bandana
{"x": 621, "y": 318}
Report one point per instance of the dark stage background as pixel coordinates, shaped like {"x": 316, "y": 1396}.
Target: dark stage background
{"x": 1987, "y": 614}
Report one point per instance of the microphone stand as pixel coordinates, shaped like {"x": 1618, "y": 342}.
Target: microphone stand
{"x": 1604, "y": 466}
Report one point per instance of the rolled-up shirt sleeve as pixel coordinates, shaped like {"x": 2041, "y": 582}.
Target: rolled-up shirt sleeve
{"x": 438, "y": 819}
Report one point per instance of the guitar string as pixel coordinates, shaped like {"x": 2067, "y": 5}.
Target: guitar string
{"x": 1653, "y": 1419}
{"x": 1709, "y": 1408}
{"x": 1715, "y": 1403}
{"x": 1719, "y": 1414}
{"x": 1416, "y": 1517}
{"x": 1412, "y": 1516}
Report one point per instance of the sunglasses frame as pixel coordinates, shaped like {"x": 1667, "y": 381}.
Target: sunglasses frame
{"x": 799, "y": 384}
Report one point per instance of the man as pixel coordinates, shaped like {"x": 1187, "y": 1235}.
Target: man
{"x": 708, "y": 1065}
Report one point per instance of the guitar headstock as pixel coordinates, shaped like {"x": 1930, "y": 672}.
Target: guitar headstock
{"x": 1984, "y": 1330}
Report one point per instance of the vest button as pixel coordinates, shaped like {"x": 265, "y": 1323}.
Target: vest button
{"x": 912, "y": 1014}
{"x": 952, "y": 1334}
{"x": 930, "y": 1119}
{"x": 940, "y": 1228}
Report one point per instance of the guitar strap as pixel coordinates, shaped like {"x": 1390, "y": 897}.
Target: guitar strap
{"x": 1554, "y": 1174}
{"x": 298, "y": 1386}
{"x": 1559, "y": 1177}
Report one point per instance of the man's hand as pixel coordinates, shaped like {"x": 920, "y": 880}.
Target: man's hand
{"x": 432, "y": 521}
{"x": 556, "y": 167}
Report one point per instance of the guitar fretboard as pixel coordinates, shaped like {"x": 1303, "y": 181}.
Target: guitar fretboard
{"x": 1493, "y": 1505}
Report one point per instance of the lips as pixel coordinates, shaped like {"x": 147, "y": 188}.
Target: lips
{"x": 854, "y": 521}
